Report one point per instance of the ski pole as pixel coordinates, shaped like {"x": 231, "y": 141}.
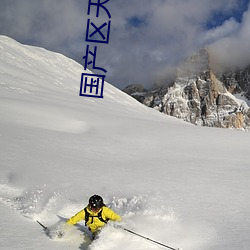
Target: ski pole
{"x": 45, "y": 228}
{"x": 146, "y": 238}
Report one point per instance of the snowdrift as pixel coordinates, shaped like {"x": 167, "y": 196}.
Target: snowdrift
{"x": 182, "y": 185}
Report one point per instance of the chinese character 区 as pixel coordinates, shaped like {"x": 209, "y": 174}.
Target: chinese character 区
{"x": 102, "y": 38}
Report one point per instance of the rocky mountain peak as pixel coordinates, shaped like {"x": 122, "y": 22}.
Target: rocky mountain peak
{"x": 202, "y": 97}
{"x": 196, "y": 64}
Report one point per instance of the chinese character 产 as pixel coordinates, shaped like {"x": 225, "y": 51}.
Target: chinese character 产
{"x": 94, "y": 59}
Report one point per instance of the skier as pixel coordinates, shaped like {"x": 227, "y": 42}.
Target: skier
{"x": 95, "y": 214}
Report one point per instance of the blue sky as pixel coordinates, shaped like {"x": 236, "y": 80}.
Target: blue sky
{"x": 218, "y": 17}
{"x": 148, "y": 38}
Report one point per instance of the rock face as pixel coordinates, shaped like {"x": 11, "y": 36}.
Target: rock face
{"x": 137, "y": 91}
{"x": 237, "y": 81}
{"x": 201, "y": 97}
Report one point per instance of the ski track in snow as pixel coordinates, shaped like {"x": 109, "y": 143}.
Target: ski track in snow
{"x": 145, "y": 214}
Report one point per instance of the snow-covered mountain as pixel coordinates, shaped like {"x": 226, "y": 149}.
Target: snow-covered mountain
{"x": 237, "y": 81}
{"x": 182, "y": 185}
{"x": 201, "y": 96}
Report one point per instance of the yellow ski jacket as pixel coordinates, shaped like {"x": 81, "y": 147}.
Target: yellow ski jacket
{"x": 94, "y": 223}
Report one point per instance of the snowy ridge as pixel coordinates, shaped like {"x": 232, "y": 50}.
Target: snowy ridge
{"x": 179, "y": 184}
{"x": 39, "y": 71}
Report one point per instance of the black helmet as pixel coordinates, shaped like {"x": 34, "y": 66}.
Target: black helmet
{"x": 96, "y": 202}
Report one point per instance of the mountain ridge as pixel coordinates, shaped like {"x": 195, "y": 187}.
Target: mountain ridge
{"x": 200, "y": 95}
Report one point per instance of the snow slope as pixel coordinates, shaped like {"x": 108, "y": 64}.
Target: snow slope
{"x": 176, "y": 183}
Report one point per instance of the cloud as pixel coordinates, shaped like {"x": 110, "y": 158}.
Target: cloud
{"x": 228, "y": 28}
{"x": 49, "y": 23}
{"x": 233, "y": 49}
{"x": 148, "y": 38}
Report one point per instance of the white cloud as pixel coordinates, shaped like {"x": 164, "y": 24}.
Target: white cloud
{"x": 170, "y": 31}
{"x": 233, "y": 50}
{"x": 228, "y": 28}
